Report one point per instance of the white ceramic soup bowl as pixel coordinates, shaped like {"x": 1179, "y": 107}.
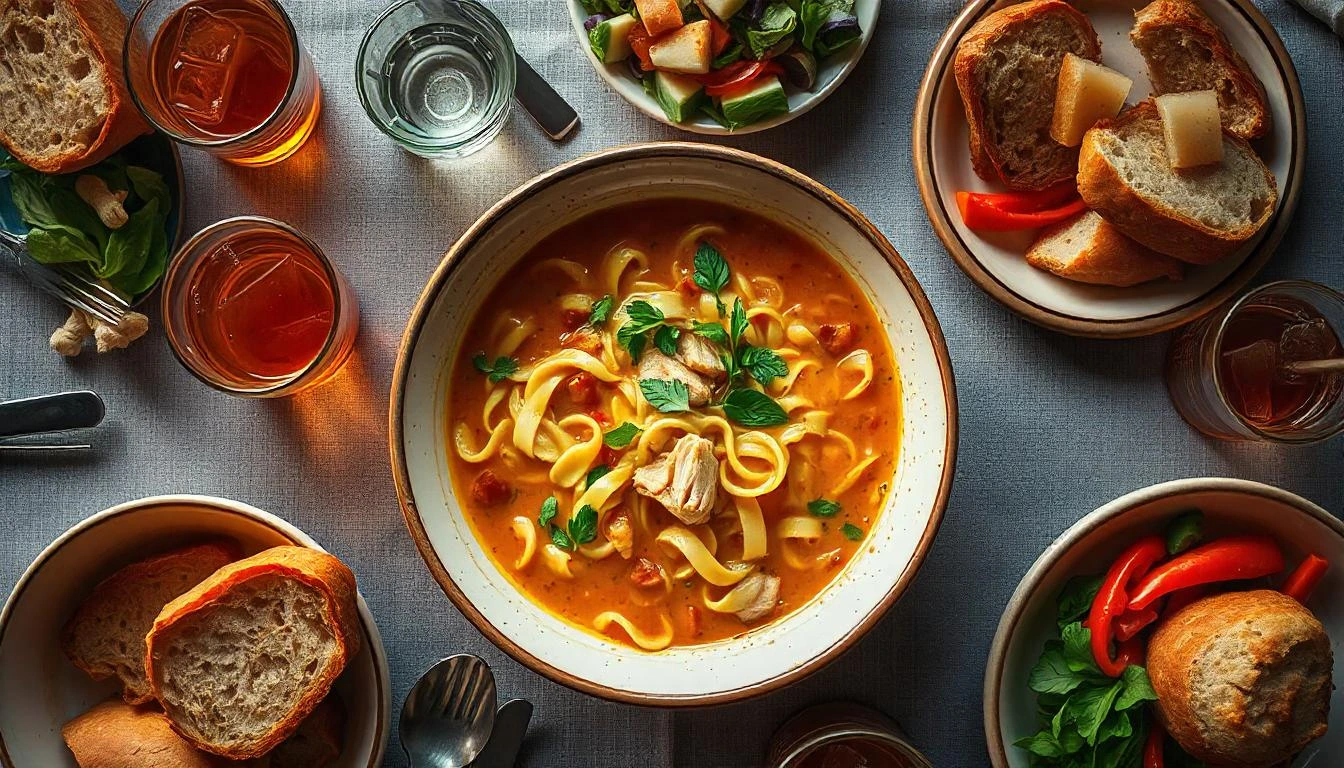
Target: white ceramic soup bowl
{"x": 765, "y": 658}
{"x": 1229, "y": 506}
{"x": 40, "y": 689}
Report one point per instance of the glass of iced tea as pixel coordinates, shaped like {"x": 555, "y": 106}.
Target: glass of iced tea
{"x": 253, "y": 308}
{"x": 1264, "y": 367}
{"x": 226, "y": 76}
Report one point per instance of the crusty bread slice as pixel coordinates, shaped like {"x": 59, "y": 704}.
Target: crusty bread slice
{"x": 1007, "y": 70}
{"x": 1186, "y": 51}
{"x": 241, "y": 660}
{"x": 115, "y": 734}
{"x": 65, "y": 101}
{"x": 318, "y": 741}
{"x": 106, "y": 636}
{"x": 1197, "y": 215}
{"x": 1087, "y": 249}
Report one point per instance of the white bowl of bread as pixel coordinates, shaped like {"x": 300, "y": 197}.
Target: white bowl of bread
{"x": 199, "y": 630}
{"x": 1180, "y": 123}
{"x": 1192, "y": 666}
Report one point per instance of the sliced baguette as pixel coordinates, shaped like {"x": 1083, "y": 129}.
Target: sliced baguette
{"x": 115, "y": 734}
{"x": 106, "y": 636}
{"x": 1186, "y": 51}
{"x": 65, "y": 101}
{"x": 238, "y": 662}
{"x": 1089, "y": 250}
{"x": 1007, "y": 70}
{"x": 316, "y": 744}
{"x": 1198, "y": 215}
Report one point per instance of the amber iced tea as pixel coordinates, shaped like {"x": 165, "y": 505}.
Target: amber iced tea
{"x": 226, "y": 75}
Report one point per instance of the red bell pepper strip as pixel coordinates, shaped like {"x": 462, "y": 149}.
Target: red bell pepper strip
{"x": 980, "y": 212}
{"x": 1111, "y": 599}
{"x": 1305, "y": 578}
{"x": 747, "y": 80}
{"x": 1228, "y": 559}
{"x": 1028, "y": 202}
{"x": 1183, "y": 597}
{"x": 640, "y": 40}
{"x": 1130, "y": 623}
{"x": 1152, "y": 748}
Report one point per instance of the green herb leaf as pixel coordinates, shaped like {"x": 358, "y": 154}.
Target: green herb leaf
{"x": 644, "y": 315}
{"x": 597, "y": 316}
{"x": 549, "y": 509}
{"x": 711, "y": 272}
{"x": 1078, "y": 649}
{"x": 764, "y": 365}
{"x": 737, "y": 324}
{"x": 751, "y": 408}
{"x": 128, "y": 247}
{"x": 583, "y": 526}
{"x": 1076, "y": 599}
{"x": 501, "y": 369}
{"x": 561, "y": 539}
{"x": 730, "y": 54}
{"x": 1090, "y": 708}
{"x": 633, "y": 340}
{"x": 666, "y": 396}
{"x": 1043, "y": 744}
{"x": 823, "y": 507}
{"x": 61, "y": 245}
{"x": 1138, "y": 688}
{"x": 621, "y": 436}
{"x": 1052, "y": 673}
{"x": 665, "y": 339}
{"x": 852, "y": 532}
{"x": 595, "y": 474}
{"x": 712, "y": 331}
{"x": 776, "y": 23}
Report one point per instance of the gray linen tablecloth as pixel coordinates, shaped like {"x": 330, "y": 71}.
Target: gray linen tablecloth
{"x": 1052, "y": 426}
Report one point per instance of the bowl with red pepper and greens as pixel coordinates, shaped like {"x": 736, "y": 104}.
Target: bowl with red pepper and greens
{"x": 1081, "y": 669}
{"x": 724, "y": 66}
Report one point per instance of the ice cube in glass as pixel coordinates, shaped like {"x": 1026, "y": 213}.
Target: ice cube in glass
{"x": 1251, "y": 370}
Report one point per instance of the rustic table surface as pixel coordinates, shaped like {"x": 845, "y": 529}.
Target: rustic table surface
{"x": 1051, "y": 426}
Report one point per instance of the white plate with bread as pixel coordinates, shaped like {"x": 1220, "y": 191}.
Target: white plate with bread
{"x": 199, "y": 630}
{"x": 1156, "y": 245}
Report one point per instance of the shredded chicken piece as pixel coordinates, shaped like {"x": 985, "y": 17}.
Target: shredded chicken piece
{"x": 685, "y": 479}
{"x": 767, "y": 595}
{"x": 621, "y": 534}
{"x": 700, "y": 355}
{"x": 837, "y": 338}
{"x": 655, "y": 365}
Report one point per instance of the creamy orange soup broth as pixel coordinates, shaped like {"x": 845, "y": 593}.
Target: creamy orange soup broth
{"x": 678, "y": 563}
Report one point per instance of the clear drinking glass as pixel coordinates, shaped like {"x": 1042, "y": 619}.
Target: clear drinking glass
{"x": 437, "y": 76}
{"x": 842, "y": 733}
{"x": 226, "y": 76}
{"x": 1231, "y": 375}
{"x": 253, "y": 308}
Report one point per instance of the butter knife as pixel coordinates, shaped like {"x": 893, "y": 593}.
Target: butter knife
{"x": 547, "y": 107}
{"x": 50, "y": 413}
{"x": 506, "y": 740}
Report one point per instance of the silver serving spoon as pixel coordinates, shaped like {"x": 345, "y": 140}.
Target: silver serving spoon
{"x": 449, "y": 713}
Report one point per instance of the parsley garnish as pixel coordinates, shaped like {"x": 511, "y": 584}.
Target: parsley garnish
{"x": 751, "y": 408}
{"x": 852, "y": 532}
{"x": 711, "y": 272}
{"x": 823, "y": 507}
{"x": 561, "y": 539}
{"x": 666, "y": 396}
{"x": 644, "y": 317}
{"x": 501, "y": 369}
{"x": 714, "y": 332}
{"x": 583, "y": 526}
{"x": 665, "y": 339}
{"x": 621, "y": 436}
{"x": 601, "y": 311}
{"x": 595, "y": 474}
{"x": 764, "y": 365}
{"x": 549, "y": 508}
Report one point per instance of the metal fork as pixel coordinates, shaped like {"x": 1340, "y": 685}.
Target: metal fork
{"x": 74, "y": 290}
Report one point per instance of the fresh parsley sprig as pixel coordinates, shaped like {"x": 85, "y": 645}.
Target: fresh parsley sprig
{"x": 667, "y": 396}
{"x": 633, "y": 335}
{"x": 621, "y": 436}
{"x": 601, "y": 311}
{"x": 502, "y": 368}
{"x": 823, "y": 507}
{"x": 742, "y": 404}
{"x": 582, "y": 527}
{"x": 711, "y": 273}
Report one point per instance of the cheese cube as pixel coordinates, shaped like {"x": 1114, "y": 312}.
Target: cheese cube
{"x": 688, "y": 50}
{"x": 1087, "y": 92}
{"x": 1193, "y": 128}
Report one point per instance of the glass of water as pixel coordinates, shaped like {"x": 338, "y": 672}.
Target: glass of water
{"x": 437, "y": 76}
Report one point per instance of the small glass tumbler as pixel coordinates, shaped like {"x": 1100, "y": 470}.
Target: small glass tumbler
{"x": 437, "y": 76}
{"x": 226, "y": 76}
{"x": 1239, "y": 373}
{"x": 253, "y": 308}
{"x": 842, "y": 733}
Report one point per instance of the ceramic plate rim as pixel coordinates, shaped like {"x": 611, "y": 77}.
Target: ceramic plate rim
{"x": 924, "y": 115}
{"x": 641, "y": 101}
{"x": 672, "y": 151}
{"x": 1011, "y": 617}
{"x": 370, "y": 628}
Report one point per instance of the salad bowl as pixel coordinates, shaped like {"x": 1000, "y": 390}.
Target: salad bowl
{"x": 830, "y": 72}
{"x": 1227, "y": 506}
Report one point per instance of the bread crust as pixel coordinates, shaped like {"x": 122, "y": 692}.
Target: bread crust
{"x": 1163, "y": 229}
{"x": 117, "y": 735}
{"x": 973, "y": 48}
{"x": 1177, "y": 655}
{"x": 324, "y": 573}
{"x": 104, "y": 28}
{"x": 1191, "y": 19}
{"x": 114, "y": 588}
{"x": 1107, "y": 258}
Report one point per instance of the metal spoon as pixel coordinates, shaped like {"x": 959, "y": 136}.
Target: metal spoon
{"x": 1333, "y": 365}
{"x": 449, "y": 713}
